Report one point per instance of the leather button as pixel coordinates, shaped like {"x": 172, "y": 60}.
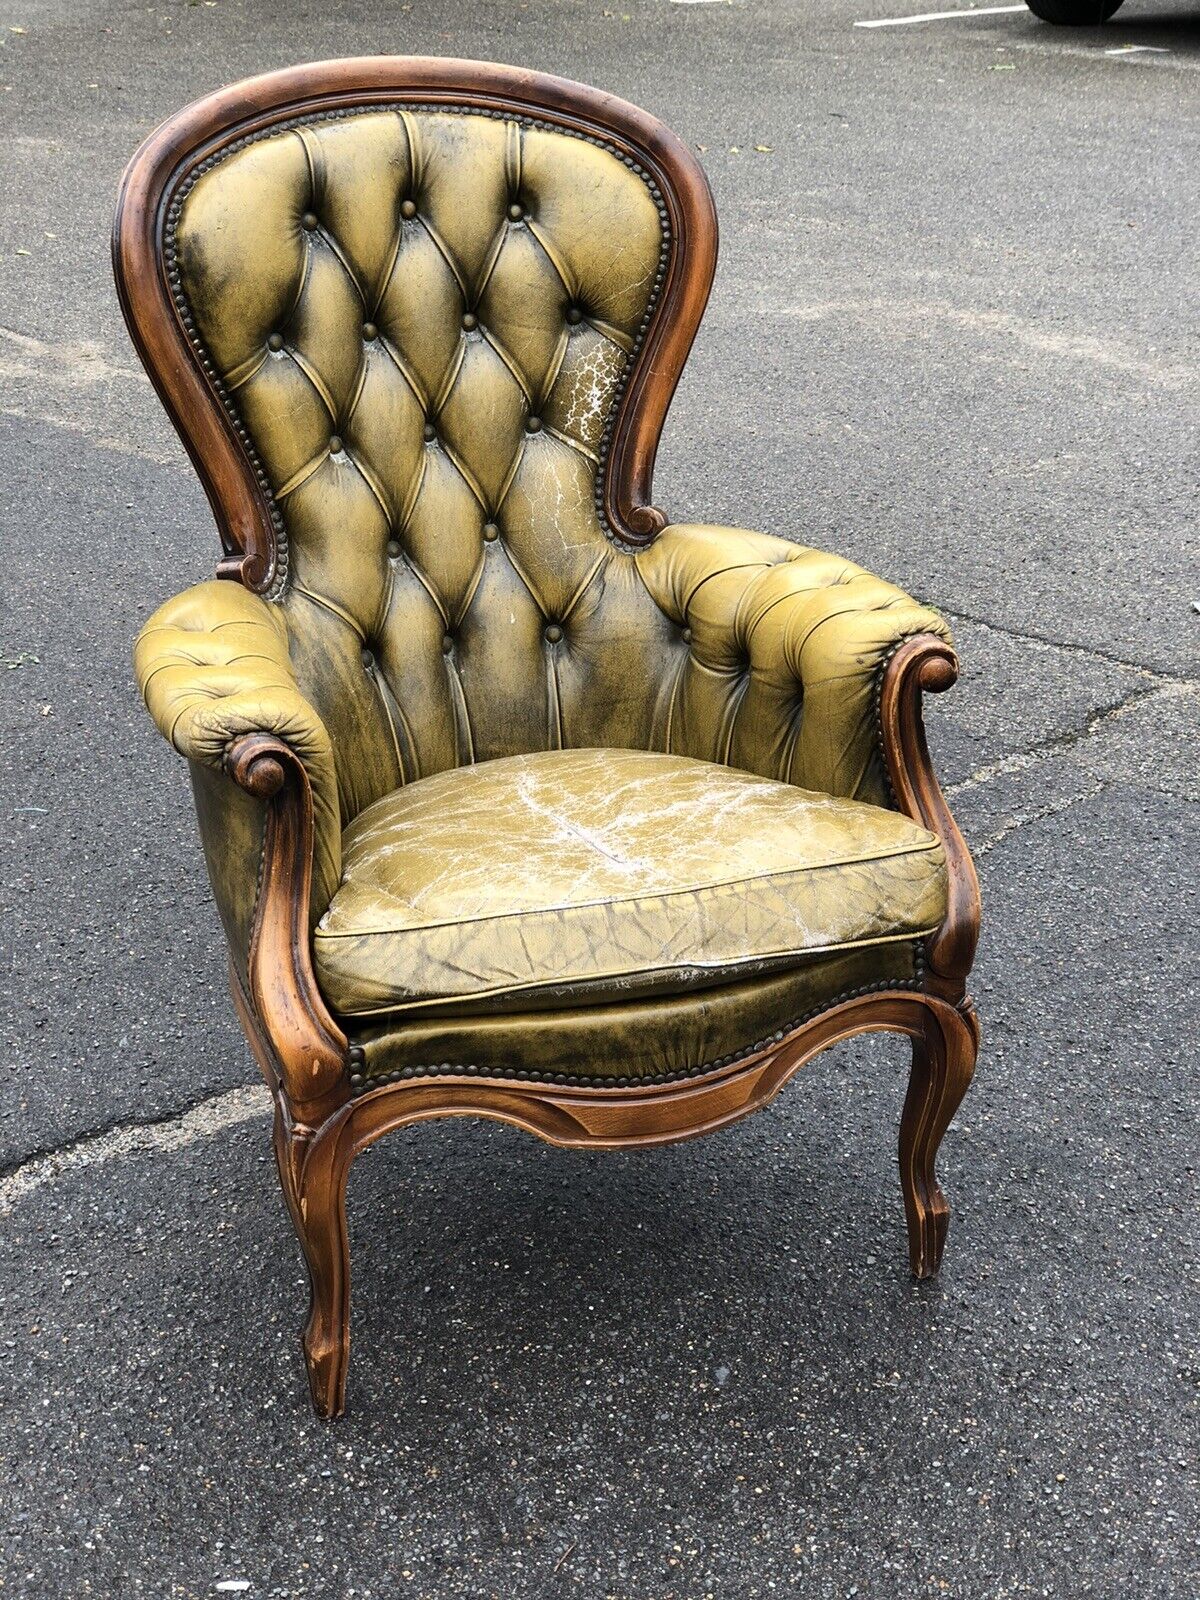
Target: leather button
{"x": 686, "y": 636}
{"x": 533, "y": 424}
{"x": 335, "y": 445}
{"x": 275, "y": 342}
{"x": 516, "y": 212}
{"x": 491, "y": 532}
{"x": 574, "y": 315}
{"x": 368, "y": 660}
{"x": 309, "y": 221}
{"x": 470, "y": 321}
{"x": 447, "y": 643}
{"x": 393, "y": 548}
{"x": 408, "y": 209}
{"x": 553, "y": 633}
{"x": 429, "y": 433}
{"x": 370, "y": 331}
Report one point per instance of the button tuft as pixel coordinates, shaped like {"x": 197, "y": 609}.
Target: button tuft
{"x": 574, "y": 315}
{"x": 408, "y": 209}
{"x": 308, "y": 221}
{"x": 491, "y": 532}
{"x": 393, "y": 548}
{"x": 533, "y": 424}
{"x": 368, "y": 660}
{"x": 516, "y": 212}
{"x": 447, "y": 643}
{"x": 370, "y": 331}
{"x": 335, "y": 445}
{"x": 686, "y": 636}
{"x": 275, "y": 342}
{"x": 553, "y": 633}
{"x": 470, "y": 321}
{"x": 429, "y": 433}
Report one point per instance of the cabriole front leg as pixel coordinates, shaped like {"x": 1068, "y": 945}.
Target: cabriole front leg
{"x": 321, "y": 1225}
{"x": 943, "y": 1061}
{"x": 303, "y": 1052}
{"x": 313, "y": 1177}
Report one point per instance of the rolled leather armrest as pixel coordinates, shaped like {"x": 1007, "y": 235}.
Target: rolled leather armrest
{"x": 785, "y": 650}
{"x": 213, "y": 666}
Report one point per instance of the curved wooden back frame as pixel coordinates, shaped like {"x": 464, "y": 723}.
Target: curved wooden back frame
{"x": 201, "y": 131}
{"x": 303, "y": 1053}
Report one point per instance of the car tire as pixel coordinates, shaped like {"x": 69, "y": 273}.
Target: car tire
{"x": 1074, "y": 13}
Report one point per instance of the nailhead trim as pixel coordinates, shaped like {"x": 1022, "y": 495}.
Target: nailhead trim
{"x": 179, "y": 195}
{"x": 361, "y": 1082}
{"x": 877, "y": 718}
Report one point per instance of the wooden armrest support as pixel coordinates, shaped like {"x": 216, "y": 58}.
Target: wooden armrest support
{"x": 927, "y": 664}
{"x": 308, "y": 1046}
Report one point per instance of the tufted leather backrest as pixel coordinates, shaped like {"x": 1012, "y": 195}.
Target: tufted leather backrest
{"x": 421, "y": 319}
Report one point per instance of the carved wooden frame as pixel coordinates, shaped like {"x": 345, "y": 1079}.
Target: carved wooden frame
{"x": 304, "y": 1055}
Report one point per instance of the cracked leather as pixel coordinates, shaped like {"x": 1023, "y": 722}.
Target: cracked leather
{"x": 421, "y": 319}
{"x": 575, "y": 874}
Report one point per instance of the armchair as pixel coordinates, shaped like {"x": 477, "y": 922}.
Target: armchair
{"x": 517, "y": 799}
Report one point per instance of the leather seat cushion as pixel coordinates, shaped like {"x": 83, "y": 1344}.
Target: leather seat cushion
{"x": 573, "y": 877}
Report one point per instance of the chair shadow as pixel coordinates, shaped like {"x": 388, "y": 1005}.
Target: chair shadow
{"x": 634, "y": 1279}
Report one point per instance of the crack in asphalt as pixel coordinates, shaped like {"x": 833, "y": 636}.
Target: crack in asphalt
{"x": 1060, "y": 743}
{"x": 228, "y": 1109}
{"x": 1052, "y": 809}
{"x": 1090, "y": 652}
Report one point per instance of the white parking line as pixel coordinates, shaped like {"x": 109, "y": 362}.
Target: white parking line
{"x": 936, "y": 16}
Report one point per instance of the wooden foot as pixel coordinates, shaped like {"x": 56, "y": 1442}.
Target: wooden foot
{"x": 314, "y": 1186}
{"x": 327, "y": 1331}
{"x": 943, "y": 1063}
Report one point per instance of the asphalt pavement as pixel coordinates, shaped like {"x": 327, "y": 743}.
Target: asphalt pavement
{"x": 953, "y": 336}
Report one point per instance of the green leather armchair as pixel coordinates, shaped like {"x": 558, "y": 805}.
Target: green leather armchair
{"x": 516, "y": 798}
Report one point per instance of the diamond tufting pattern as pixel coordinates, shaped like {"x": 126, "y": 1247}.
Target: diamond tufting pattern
{"x": 421, "y": 318}
{"x": 421, "y": 321}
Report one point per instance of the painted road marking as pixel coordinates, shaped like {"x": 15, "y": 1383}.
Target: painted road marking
{"x": 936, "y": 16}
